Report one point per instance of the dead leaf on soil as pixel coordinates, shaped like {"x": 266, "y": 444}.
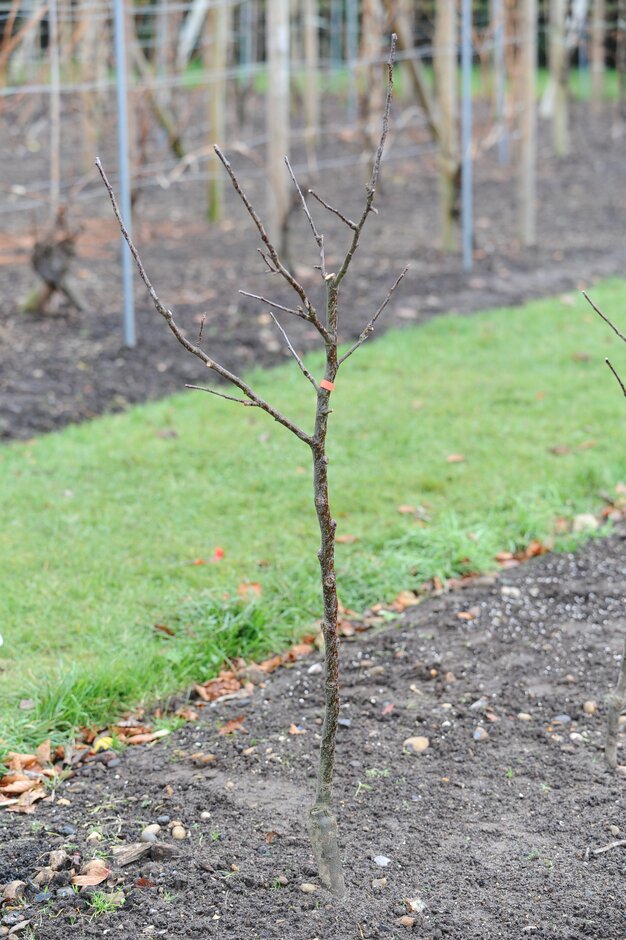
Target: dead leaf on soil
{"x": 94, "y": 873}
{"x": 235, "y": 724}
{"x": 249, "y": 588}
{"x": 455, "y": 458}
{"x": 224, "y": 684}
{"x": 295, "y": 729}
{"x": 346, "y": 539}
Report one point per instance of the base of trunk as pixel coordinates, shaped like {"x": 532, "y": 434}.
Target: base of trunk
{"x": 323, "y": 833}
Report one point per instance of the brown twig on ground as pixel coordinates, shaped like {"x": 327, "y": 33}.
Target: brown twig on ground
{"x": 322, "y": 823}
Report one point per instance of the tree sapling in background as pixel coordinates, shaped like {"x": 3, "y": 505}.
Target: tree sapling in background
{"x": 322, "y": 822}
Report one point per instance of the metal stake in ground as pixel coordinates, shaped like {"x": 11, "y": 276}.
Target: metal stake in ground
{"x": 123, "y": 166}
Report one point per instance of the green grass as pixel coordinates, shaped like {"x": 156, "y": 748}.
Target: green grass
{"x": 101, "y": 523}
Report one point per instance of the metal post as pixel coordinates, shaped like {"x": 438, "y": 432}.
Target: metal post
{"x": 55, "y": 111}
{"x": 466, "y": 133}
{"x": 497, "y": 13}
{"x": 335, "y": 33}
{"x": 124, "y": 170}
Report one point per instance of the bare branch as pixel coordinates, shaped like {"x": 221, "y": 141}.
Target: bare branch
{"x": 267, "y": 261}
{"x": 369, "y": 329}
{"x": 168, "y": 316}
{"x": 371, "y": 186}
{"x": 621, "y": 384}
{"x": 295, "y": 355}
{"x": 612, "y": 845}
{"x": 332, "y": 209}
{"x": 282, "y": 270}
{"x": 212, "y": 391}
{"x": 316, "y": 235}
{"x": 296, "y": 312}
{"x": 600, "y": 314}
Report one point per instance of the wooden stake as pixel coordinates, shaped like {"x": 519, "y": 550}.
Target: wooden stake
{"x": 217, "y": 29}
{"x": 445, "y": 62}
{"x": 528, "y": 121}
{"x": 598, "y": 16}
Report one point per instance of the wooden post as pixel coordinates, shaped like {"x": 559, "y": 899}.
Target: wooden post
{"x": 310, "y": 23}
{"x": 445, "y": 62}
{"x": 620, "y": 57}
{"x": 598, "y": 16}
{"x": 371, "y": 88}
{"x": 277, "y": 116}
{"x": 216, "y": 48}
{"x": 528, "y": 121}
{"x": 499, "y": 83}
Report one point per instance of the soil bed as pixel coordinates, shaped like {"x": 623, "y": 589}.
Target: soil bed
{"x": 495, "y": 836}
{"x": 66, "y": 367}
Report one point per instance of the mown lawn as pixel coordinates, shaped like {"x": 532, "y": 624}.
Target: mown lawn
{"x": 102, "y": 523}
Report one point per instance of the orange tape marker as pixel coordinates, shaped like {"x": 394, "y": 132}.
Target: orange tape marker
{"x": 329, "y": 386}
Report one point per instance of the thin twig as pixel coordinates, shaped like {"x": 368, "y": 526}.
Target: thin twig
{"x": 280, "y": 267}
{"x": 267, "y": 261}
{"x": 295, "y": 355}
{"x": 371, "y": 186}
{"x": 295, "y": 311}
{"x": 332, "y": 209}
{"x": 316, "y": 235}
{"x": 621, "y": 384}
{"x": 611, "y": 845}
{"x": 212, "y": 391}
{"x": 201, "y": 330}
{"x": 369, "y": 329}
{"x": 168, "y": 316}
{"x": 604, "y": 317}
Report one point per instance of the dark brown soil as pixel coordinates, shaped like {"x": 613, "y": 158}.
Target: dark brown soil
{"x": 497, "y": 837}
{"x": 62, "y": 367}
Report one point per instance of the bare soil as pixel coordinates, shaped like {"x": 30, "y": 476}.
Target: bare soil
{"x": 496, "y": 837}
{"x": 65, "y": 367}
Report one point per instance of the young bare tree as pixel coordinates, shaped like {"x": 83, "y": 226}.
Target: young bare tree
{"x": 322, "y": 822}
{"x": 617, "y": 697}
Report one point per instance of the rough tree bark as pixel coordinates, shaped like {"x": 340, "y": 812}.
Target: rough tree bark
{"x": 322, "y": 823}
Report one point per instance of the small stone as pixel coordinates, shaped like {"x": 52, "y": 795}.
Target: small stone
{"x": 43, "y": 896}
{"x": 621, "y": 770}
{"x": 150, "y": 836}
{"x": 163, "y": 820}
{"x": 65, "y": 892}
{"x": 344, "y": 722}
{"x": 316, "y": 669}
{"x": 307, "y": 887}
{"x": 416, "y": 745}
{"x": 479, "y": 705}
{"x": 590, "y": 707}
{"x": 379, "y": 882}
{"x": 178, "y": 832}
{"x": 585, "y": 522}
{"x": 405, "y": 921}
{"x": 15, "y": 917}
{"x": 508, "y": 590}
{"x": 381, "y": 860}
{"x": 205, "y": 814}
{"x": 14, "y": 890}
{"x": 481, "y": 734}
{"x": 561, "y": 720}
{"x": 94, "y": 837}
{"x": 67, "y": 830}
{"x": 377, "y": 671}
{"x": 614, "y": 830}
{"x": 415, "y": 905}
{"x": 153, "y": 827}
{"x": 64, "y": 802}
{"x": 282, "y": 880}
{"x": 524, "y": 716}
{"x": 58, "y": 859}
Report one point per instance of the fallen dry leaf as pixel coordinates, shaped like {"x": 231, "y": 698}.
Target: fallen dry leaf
{"x": 406, "y": 510}
{"x": 294, "y": 729}
{"x": 144, "y": 883}
{"x": 235, "y": 724}
{"x": 163, "y": 628}
{"x": 94, "y": 873}
{"x": 346, "y": 539}
{"x": 224, "y": 684}
{"x": 455, "y": 458}
{"x": 297, "y": 652}
{"x": 248, "y": 588}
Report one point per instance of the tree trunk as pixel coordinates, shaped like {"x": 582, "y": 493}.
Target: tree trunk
{"x": 528, "y": 121}
{"x": 445, "y": 61}
{"x": 597, "y": 52}
{"x": 322, "y": 822}
{"x": 616, "y": 701}
{"x": 559, "y": 74}
{"x": 310, "y": 24}
{"x": 620, "y": 58}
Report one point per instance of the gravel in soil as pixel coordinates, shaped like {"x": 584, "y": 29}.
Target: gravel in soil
{"x": 487, "y": 828}
{"x": 65, "y": 367}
